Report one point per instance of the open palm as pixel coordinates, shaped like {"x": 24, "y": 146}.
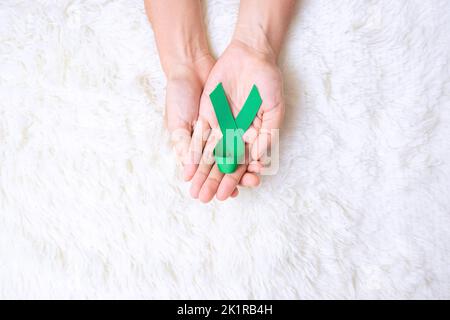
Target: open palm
{"x": 184, "y": 89}
{"x": 238, "y": 69}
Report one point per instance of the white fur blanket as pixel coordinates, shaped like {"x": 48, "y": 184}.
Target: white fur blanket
{"x": 91, "y": 204}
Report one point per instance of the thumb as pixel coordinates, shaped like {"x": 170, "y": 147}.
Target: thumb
{"x": 182, "y": 104}
{"x": 180, "y": 137}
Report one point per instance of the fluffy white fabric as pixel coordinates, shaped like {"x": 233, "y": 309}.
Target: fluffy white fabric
{"x": 91, "y": 204}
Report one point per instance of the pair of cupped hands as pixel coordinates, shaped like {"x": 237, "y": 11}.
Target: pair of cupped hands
{"x": 193, "y": 125}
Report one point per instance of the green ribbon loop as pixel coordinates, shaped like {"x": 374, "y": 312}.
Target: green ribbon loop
{"x": 230, "y": 150}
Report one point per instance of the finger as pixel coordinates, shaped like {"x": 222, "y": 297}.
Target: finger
{"x": 230, "y": 182}
{"x": 206, "y": 163}
{"x": 181, "y": 95}
{"x": 235, "y": 193}
{"x": 201, "y": 133}
{"x": 261, "y": 145}
{"x": 250, "y": 180}
{"x": 180, "y": 139}
{"x": 255, "y": 167}
{"x": 250, "y": 135}
{"x": 180, "y": 131}
{"x": 268, "y": 133}
{"x": 210, "y": 186}
{"x": 195, "y": 149}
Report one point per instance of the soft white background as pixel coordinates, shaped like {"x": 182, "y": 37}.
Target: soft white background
{"x": 91, "y": 204}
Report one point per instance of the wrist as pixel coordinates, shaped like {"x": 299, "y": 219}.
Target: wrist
{"x": 262, "y": 24}
{"x": 179, "y": 32}
{"x": 188, "y": 54}
{"x": 197, "y": 66}
{"x": 254, "y": 36}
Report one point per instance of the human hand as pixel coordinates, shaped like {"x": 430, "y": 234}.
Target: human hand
{"x": 238, "y": 69}
{"x": 185, "y": 83}
{"x": 250, "y": 59}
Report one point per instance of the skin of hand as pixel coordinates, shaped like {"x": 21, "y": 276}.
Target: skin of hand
{"x": 239, "y": 68}
{"x": 184, "y": 88}
{"x": 251, "y": 58}
{"x": 184, "y": 54}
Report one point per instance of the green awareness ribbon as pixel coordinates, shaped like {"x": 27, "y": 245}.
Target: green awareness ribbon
{"x": 230, "y": 150}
